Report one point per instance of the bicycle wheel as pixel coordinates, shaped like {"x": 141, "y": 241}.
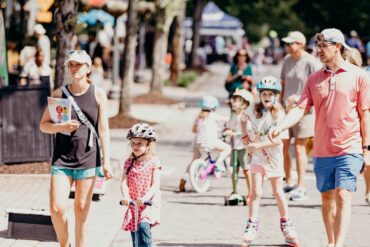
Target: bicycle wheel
{"x": 198, "y": 177}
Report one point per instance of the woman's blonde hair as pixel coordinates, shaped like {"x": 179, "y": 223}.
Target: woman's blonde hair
{"x": 88, "y": 77}
{"x": 353, "y": 56}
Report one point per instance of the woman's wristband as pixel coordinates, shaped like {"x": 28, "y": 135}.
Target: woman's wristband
{"x": 245, "y": 136}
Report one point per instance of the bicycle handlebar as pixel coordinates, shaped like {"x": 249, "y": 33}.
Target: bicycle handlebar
{"x": 147, "y": 203}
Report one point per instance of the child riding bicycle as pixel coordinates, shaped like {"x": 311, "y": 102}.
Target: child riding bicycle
{"x": 205, "y": 128}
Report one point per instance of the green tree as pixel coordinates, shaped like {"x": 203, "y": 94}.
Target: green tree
{"x": 178, "y": 45}
{"x": 66, "y": 16}
{"x": 129, "y": 57}
{"x": 345, "y": 15}
{"x": 260, "y": 16}
{"x": 165, "y": 12}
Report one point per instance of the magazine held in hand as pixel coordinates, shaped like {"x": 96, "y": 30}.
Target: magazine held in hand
{"x": 60, "y": 110}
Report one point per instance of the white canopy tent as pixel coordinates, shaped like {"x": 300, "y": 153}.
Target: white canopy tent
{"x": 216, "y": 22}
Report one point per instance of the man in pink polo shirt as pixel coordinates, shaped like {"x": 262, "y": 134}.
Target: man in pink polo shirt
{"x": 340, "y": 94}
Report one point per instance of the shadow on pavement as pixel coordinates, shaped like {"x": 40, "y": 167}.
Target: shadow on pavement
{"x": 293, "y": 206}
{"x": 210, "y": 245}
{"x": 198, "y": 203}
{"x": 205, "y": 196}
{"x": 175, "y": 143}
{"x": 198, "y": 244}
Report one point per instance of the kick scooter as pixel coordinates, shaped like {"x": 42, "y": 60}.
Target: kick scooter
{"x": 235, "y": 199}
{"x": 147, "y": 203}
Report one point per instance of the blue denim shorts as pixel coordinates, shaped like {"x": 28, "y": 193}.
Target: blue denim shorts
{"x": 338, "y": 172}
{"x": 144, "y": 235}
{"x": 76, "y": 174}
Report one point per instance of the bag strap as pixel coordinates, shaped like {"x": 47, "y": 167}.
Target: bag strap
{"x": 82, "y": 118}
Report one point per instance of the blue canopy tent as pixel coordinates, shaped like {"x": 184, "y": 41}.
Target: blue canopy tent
{"x": 94, "y": 16}
{"x": 216, "y": 22}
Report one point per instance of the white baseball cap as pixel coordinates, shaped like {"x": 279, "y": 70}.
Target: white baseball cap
{"x": 295, "y": 36}
{"x": 79, "y": 56}
{"x": 39, "y": 29}
{"x": 334, "y": 35}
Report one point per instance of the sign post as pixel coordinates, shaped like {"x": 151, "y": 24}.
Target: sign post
{"x": 4, "y": 78}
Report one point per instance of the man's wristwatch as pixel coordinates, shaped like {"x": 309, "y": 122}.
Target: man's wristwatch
{"x": 366, "y": 147}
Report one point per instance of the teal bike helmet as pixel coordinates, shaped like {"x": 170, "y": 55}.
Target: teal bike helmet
{"x": 209, "y": 103}
{"x": 269, "y": 83}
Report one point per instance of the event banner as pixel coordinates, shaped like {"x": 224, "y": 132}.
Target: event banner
{"x": 4, "y": 81}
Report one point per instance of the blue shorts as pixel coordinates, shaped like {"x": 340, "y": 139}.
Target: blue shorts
{"x": 76, "y": 174}
{"x": 338, "y": 172}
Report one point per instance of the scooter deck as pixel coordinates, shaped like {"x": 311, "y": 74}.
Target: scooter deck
{"x": 235, "y": 199}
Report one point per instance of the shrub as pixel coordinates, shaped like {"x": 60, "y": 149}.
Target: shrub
{"x": 187, "y": 77}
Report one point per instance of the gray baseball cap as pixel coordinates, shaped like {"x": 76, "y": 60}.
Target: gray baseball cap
{"x": 295, "y": 36}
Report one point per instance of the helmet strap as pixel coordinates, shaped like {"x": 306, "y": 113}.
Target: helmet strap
{"x": 136, "y": 158}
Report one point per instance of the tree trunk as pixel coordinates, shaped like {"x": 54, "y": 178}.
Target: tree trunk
{"x": 164, "y": 16}
{"x": 128, "y": 57}
{"x": 66, "y": 16}
{"x": 178, "y": 46}
{"x": 159, "y": 55}
{"x": 194, "y": 60}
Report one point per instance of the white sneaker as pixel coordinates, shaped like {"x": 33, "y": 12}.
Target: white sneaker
{"x": 250, "y": 231}
{"x": 298, "y": 194}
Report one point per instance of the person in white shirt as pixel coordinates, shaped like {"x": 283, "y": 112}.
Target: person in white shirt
{"x": 34, "y": 69}
{"x": 43, "y": 41}
{"x": 206, "y": 135}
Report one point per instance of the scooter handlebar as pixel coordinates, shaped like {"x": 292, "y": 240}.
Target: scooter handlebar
{"x": 146, "y": 203}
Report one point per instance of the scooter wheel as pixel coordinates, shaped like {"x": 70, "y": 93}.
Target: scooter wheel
{"x": 244, "y": 201}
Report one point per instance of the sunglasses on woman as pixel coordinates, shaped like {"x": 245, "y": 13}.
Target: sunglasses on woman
{"x": 79, "y": 52}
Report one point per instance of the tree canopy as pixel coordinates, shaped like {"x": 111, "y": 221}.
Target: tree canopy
{"x": 261, "y": 16}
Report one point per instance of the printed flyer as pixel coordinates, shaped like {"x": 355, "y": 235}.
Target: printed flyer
{"x": 60, "y": 110}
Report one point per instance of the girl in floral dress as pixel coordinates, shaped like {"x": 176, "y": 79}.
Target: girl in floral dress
{"x": 140, "y": 183}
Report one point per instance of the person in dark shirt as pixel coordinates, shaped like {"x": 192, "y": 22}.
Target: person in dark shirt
{"x": 77, "y": 157}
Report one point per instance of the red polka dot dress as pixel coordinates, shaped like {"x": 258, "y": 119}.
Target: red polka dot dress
{"x": 139, "y": 181}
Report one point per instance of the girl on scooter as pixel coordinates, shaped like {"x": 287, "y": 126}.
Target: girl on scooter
{"x": 141, "y": 183}
{"x": 240, "y": 101}
{"x": 266, "y": 157}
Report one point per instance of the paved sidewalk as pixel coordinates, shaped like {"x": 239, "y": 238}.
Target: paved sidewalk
{"x": 188, "y": 219}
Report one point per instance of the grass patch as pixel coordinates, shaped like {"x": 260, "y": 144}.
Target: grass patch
{"x": 186, "y": 78}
